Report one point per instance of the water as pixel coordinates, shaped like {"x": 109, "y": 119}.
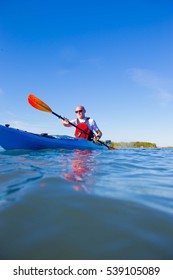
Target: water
{"x": 86, "y": 204}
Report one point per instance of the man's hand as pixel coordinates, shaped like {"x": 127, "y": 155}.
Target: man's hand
{"x": 96, "y": 138}
{"x": 65, "y": 122}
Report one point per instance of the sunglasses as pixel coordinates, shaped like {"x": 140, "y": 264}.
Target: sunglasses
{"x": 79, "y": 111}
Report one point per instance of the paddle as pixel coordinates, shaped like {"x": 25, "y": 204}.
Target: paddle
{"x": 40, "y": 105}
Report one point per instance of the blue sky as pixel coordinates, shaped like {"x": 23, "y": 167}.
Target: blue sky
{"x": 113, "y": 57}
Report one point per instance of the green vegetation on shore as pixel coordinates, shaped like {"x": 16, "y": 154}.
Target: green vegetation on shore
{"x": 137, "y": 144}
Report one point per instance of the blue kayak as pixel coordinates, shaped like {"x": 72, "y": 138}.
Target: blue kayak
{"x": 14, "y": 139}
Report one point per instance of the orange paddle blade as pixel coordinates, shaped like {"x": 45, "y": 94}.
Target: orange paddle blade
{"x": 38, "y": 104}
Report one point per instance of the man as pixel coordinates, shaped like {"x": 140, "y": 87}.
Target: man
{"x": 85, "y": 126}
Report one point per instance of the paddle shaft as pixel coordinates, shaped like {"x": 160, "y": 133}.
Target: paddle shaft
{"x": 79, "y": 128}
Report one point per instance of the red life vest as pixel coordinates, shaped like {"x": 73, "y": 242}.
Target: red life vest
{"x": 86, "y": 133}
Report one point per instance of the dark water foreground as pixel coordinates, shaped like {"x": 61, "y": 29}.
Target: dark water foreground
{"x": 86, "y": 205}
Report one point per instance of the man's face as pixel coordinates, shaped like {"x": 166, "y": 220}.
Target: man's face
{"x": 80, "y": 112}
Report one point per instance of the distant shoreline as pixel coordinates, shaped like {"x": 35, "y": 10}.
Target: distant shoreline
{"x": 138, "y": 144}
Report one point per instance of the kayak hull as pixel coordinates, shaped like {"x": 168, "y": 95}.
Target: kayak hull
{"x": 16, "y": 139}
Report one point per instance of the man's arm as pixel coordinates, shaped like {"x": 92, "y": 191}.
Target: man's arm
{"x": 99, "y": 134}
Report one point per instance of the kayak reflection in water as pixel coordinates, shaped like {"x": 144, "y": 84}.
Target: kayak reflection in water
{"x": 81, "y": 170}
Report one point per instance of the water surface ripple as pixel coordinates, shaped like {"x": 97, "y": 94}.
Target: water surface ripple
{"x": 58, "y": 204}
